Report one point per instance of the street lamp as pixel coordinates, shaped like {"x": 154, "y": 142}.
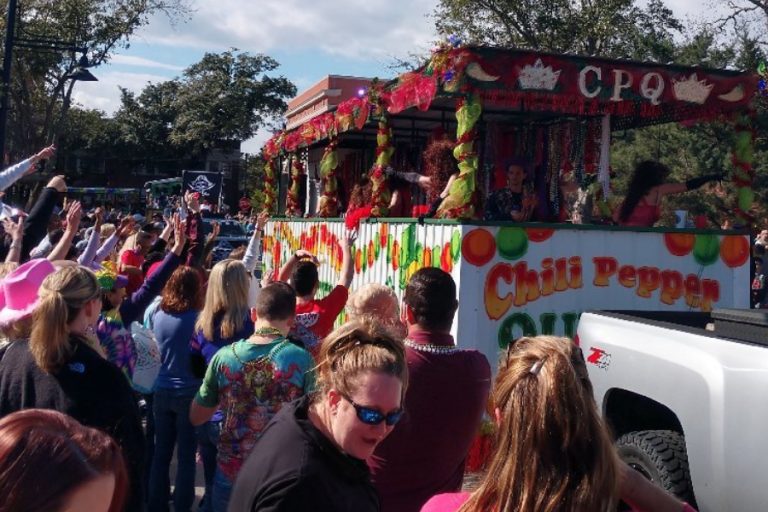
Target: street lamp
{"x": 42, "y": 44}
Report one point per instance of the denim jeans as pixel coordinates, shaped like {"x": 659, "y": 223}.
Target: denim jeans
{"x": 173, "y": 429}
{"x": 150, "y": 442}
{"x": 222, "y": 490}
{"x": 208, "y": 440}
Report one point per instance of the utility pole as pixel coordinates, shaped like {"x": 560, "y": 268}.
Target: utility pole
{"x": 5, "y": 86}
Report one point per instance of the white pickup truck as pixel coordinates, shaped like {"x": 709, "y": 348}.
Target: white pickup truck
{"x": 686, "y": 395}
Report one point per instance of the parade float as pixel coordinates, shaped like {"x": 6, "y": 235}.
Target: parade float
{"x": 558, "y": 111}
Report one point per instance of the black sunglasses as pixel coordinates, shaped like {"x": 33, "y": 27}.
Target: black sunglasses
{"x": 373, "y": 416}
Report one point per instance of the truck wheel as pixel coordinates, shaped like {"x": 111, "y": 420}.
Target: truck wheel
{"x": 661, "y": 457}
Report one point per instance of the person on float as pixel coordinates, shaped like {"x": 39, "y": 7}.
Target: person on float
{"x": 312, "y": 454}
{"x": 516, "y": 202}
{"x": 360, "y": 205}
{"x": 57, "y": 369}
{"x": 646, "y": 190}
{"x": 553, "y": 452}
{"x": 250, "y": 381}
{"x": 426, "y": 454}
{"x": 49, "y": 461}
{"x": 440, "y": 169}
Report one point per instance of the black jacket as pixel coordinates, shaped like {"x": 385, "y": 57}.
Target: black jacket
{"x": 294, "y": 467}
{"x": 88, "y": 388}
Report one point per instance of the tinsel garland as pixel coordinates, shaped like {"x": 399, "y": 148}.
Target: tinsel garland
{"x": 554, "y": 159}
{"x": 459, "y": 203}
{"x": 329, "y": 200}
{"x": 270, "y": 186}
{"x": 743, "y": 174}
{"x": 380, "y": 193}
{"x": 293, "y": 207}
{"x": 577, "y": 155}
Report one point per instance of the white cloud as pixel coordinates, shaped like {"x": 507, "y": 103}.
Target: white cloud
{"x": 105, "y": 94}
{"x": 359, "y": 29}
{"x": 254, "y": 144}
{"x": 130, "y": 60}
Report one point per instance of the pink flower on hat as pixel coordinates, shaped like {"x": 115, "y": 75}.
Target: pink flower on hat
{"x": 18, "y": 290}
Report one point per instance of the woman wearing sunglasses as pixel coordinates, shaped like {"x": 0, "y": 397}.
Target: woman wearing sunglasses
{"x": 312, "y": 455}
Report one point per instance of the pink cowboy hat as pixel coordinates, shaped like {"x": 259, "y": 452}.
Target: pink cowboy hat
{"x": 18, "y": 291}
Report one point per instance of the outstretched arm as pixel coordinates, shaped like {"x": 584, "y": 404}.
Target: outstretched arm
{"x": 74, "y": 215}
{"x": 252, "y": 251}
{"x": 12, "y": 174}
{"x": 15, "y": 229}
{"x": 86, "y": 259}
{"x": 347, "y": 265}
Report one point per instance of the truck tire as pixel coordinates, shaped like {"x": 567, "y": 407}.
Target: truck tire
{"x": 661, "y": 457}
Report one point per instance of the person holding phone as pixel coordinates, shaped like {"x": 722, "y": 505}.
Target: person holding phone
{"x": 517, "y": 201}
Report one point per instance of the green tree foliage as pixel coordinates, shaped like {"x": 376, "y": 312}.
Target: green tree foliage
{"x": 227, "y": 97}
{"x": 609, "y": 28}
{"x": 145, "y": 120}
{"x": 41, "y": 92}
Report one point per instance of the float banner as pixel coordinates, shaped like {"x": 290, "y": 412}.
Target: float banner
{"x": 514, "y": 281}
{"x": 208, "y": 184}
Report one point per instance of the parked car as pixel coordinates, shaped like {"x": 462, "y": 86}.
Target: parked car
{"x": 684, "y": 395}
{"x": 231, "y": 236}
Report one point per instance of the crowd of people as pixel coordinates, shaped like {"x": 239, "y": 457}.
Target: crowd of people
{"x": 286, "y": 409}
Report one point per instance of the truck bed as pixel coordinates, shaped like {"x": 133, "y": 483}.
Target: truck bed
{"x": 738, "y": 325}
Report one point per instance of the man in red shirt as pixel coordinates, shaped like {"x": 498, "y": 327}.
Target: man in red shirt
{"x": 447, "y": 394}
{"x": 315, "y": 317}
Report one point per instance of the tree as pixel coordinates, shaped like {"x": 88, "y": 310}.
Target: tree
{"x": 228, "y": 97}
{"x": 41, "y": 92}
{"x": 749, "y": 15}
{"x": 224, "y": 98}
{"x": 609, "y": 28}
{"x": 145, "y": 121}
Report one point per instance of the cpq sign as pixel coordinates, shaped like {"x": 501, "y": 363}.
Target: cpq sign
{"x": 651, "y": 85}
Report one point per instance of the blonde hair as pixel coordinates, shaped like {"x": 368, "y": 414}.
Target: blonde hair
{"x": 62, "y": 295}
{"x": 7, "y": 267}
{"x": 553, "y": 451}
{"x": 107, "y": 230}
{"x": 375, "y": 302}
{"x": 227, "y": 295}
{"x": 358, "y": 347}
{"x": 130, "y": 243}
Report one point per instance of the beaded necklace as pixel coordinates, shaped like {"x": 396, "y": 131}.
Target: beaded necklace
{"x": 267, "y": 331}
{"x": 429, "y": 347}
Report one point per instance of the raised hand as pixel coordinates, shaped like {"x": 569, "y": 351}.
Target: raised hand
{"x": 15, "y": 229}
{"x": 261, "y": 220}
{"x": 74, "y": 215}
{"x": 215, "y": 230}
{"x": 58, "y": 183}
{"x": 301, "y": 254}
{"x": 350, "y": 237}
{"x": 126, "y": 227}
{"x": 99, "y": 217}
{"x": 179, "y": 233}
{"x": 44, "y": 154}
{"x": 193, "y": 201}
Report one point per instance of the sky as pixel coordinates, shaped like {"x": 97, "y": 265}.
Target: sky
{"x": 309, "y": 38}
